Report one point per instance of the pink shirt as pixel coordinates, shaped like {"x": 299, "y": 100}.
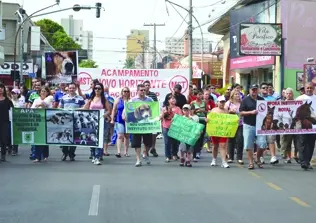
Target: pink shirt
{"x": 96, "y": 105}
{"x": 167, "y": 122}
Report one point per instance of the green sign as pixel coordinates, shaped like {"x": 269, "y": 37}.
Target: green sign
{"x": 185, "y": 130}
{"x": 222, "y": 125}
{"x": 142, "y": 117}
{"x": 57, "y": 127}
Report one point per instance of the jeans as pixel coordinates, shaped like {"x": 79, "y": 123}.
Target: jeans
{"x": 41, "y": 150}
{"x": 305, "y": 144}
{"x": 200, "y": 142}
{"x": 96, "y": 153}
{"x": 236, "y": 142}
{"x": 171, "y": 145}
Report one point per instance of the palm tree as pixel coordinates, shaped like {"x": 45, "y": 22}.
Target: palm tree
{"x": 129, "y": 63}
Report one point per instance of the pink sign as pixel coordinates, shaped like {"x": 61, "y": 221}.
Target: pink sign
{"x": 250, "y": 61}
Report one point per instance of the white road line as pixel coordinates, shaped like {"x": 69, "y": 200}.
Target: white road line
{"x": 94, "y": 203}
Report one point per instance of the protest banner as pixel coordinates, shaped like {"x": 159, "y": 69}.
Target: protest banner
{"x": 286, "y": 117}
{"x": 61, "y": 66}
{"x": 185, "y": 130}
{"x": 162, "y": 80}
{"x": 57, "y": 127}
{"x": 142, "y": 117}
{"x": 222, "y": 125}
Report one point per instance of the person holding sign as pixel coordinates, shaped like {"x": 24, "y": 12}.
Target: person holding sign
{"x": 171, "y": 145}
{"x": 236, "y": 142}
{"x": 219, "y": 143}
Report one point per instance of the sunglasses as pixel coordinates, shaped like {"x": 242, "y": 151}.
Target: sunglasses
{"x": 228, "y": 89}
{"x": 142, "y": 90}
{"x": 264, "y": 87}
{"x": 97, "y": 88}
{"x": 126, "y": 91}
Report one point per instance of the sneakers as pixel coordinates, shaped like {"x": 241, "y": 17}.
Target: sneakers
{"x": 138, "y": 163}
{"x": 146, "y": 158}
{"x": 159, "y": 136}
{"x": 213, "y": 163}
{"x": 274, "y": 160}
{"x": 198, "y": 156}
{"x": 97, "y": 162}
{"x": 225, "y": 164}
{"x": 182, "y": 161}
{"x": 262, "y": 160}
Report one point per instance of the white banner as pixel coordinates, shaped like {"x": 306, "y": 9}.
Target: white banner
{"x": 6, "y": 68}
{"x": 162, "y": 80}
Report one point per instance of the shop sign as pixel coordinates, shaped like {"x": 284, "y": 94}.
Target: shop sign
{"x": 260, "y": 39}
{"x": 5, "y": 69}
{"x": 216, "y": 70}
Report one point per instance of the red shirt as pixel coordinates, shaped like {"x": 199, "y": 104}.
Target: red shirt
{"x": 210, "y": 105}
{"x": 191, "y": 98}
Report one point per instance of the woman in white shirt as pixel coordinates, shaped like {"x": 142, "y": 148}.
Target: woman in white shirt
{"x": 44, "y": 101}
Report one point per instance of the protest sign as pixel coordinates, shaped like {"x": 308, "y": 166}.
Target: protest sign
{"x": 286, "y": 117}
{"x": 185, "y": 130}
{"x": 162, "y": 80}
{"x": 57, "y": 127}
{"x": 222, "y": 125}
{"x": 142, "y": 117}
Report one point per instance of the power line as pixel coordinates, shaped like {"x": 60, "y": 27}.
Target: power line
{"x": 206, "y": 6}
{"x": 184, "y": 20}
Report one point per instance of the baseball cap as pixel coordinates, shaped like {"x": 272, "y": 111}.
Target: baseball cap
{"x": 16, "y": 91}
{"x": 178, "y": 86}
{"x": 187, "y": 106}
{"x": 221, "y": 98}
{"x": 254, "y": 86}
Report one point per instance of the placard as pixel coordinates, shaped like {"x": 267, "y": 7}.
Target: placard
{"x": 222, "y": 125}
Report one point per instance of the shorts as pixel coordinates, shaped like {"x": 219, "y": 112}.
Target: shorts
{"x": 137, "y": 140}
{"x": 120, "y": 128}
{"x": 186, "y": 148}
{"x": 250, "y": 138}
{"x": 218, "y": 140}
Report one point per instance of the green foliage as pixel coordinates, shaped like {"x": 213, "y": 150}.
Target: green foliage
{"x": 88, "y": 64}
{"x": 56, "y": 35}
{"x": 129, "y": 63}
{"x": 222, "y": 91}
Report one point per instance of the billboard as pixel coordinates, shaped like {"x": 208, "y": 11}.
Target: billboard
{"x": 61, "y": 66}
{"x": 263, "y": 39}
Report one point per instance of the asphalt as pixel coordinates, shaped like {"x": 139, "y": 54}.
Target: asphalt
{"x": 118, "y": 192}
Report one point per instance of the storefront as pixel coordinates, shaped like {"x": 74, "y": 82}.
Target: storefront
{"x": 7, "y": 67}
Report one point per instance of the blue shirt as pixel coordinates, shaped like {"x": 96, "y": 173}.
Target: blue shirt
{"x": 69, "y": 102}
{"x": 58, "y": 95}
{"x": 269, "y": 98}
{"x": 137, "y": 99}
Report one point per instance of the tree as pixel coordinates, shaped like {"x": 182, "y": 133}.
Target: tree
{"x": 88, "y": 64}
{"x": 129, "y": 63}
{"x": 56, "y": 35}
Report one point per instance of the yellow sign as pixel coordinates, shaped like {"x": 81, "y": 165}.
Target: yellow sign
{"x": 216, "y": 70}
{"x": 222, "y": 125}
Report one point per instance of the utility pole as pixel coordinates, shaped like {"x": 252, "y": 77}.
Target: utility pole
{"x": 191, "y": 42}
{"x": 21, "y": 13}
{"x": 155, "y": 42}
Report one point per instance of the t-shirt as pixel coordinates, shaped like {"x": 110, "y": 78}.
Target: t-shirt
{"x": 166, "y": 123}
{"x": 58, "y": 95}
{"x": 269, "y": 98}
{"x": 152, "y": 95}
{"x": 28, "y": 95}
{"x": 229, "y": 106}
{"x": 249, "y": 104}
{"x": 19, "y": 103}
{"x": 307, "y": 97}
{"x": 33, "y": 96}
{"x": 195, "y": 118}
{"x": 5, "y": 106}
{"x": 69, "y": 102}
{"x": 137, "y": 99}
{"x": 48, "y": 101}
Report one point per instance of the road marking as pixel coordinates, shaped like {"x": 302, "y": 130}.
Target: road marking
{"x": 254, "y": 174}
{"x": 300, "y": 202}
{"x": 94, "y": 203}
{"x": 275, "y": 187}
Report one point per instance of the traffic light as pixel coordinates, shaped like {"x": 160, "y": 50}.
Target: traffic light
{"x": 98, "y": 6}
{"x": 15, "y": 75}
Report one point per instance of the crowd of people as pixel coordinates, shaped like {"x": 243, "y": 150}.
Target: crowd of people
{"x": 196, "y": 106}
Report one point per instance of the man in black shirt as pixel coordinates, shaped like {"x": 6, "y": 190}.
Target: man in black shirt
{"x": 180, "y": 98}
{"x": 248, "y": 110}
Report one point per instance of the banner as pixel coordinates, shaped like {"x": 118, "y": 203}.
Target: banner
{"x": 61, "y": 66}
{"x": 286, "y": 117}
{"x": 222, "y": 125}
{"x": 142, "y": 117}
{"x": 162, "y": 80}
{"x": 57, "y": 127}
{"x": 260, "y": 39}
{"x": 185, "y": 130}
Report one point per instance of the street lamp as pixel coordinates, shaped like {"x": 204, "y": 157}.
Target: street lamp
{"x": 190, "y": 11}
{"x": 21, "y": 12}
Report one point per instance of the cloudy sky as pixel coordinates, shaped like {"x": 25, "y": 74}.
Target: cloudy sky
{"x": 120, "y": 16}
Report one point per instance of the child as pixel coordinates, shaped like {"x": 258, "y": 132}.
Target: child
{"x": 220, "y": 142}
{"x": 185, "y": 149}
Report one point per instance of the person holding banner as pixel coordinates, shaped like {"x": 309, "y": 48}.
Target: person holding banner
{"x": 138, "y": 138}
{"x": 70, "y": 101}
{"x": 44, "y": 101}
{"x": 5, "y": 106}
{"x": 98, "y": 101}
{"x": 249, "y": 113}
{"x": 119, "y": 123}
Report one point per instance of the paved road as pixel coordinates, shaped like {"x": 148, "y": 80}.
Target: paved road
{"x": 117, "y": 192}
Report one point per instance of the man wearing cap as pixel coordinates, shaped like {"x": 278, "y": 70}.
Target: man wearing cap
{"x": 248, "y": 110}
{"x": 180, "y": 98}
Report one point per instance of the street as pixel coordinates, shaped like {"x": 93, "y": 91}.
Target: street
{"x": 118, "y": 192}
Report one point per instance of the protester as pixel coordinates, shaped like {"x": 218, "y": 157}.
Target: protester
{"x": 180, "y": 98}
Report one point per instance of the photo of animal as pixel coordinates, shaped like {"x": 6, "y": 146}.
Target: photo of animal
{"x": 268, "y": 121}
{"x": 86, "y": 119}
{"x": 86, "y": 137}
{"x": 140, "y": 114}
{"x": 305, "y": 117}
{"x": 61, "y": 137}
{"x": 58, "y": 117}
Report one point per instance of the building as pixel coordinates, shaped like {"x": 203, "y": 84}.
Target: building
{"x": 74, "y": 28}
{"x": 35, "y": 44}
{"x": 178, "y": 46}
{"x": 137, "y": 42}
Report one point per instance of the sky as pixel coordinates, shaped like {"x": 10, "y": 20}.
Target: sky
{"x": 120, "y": 16}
